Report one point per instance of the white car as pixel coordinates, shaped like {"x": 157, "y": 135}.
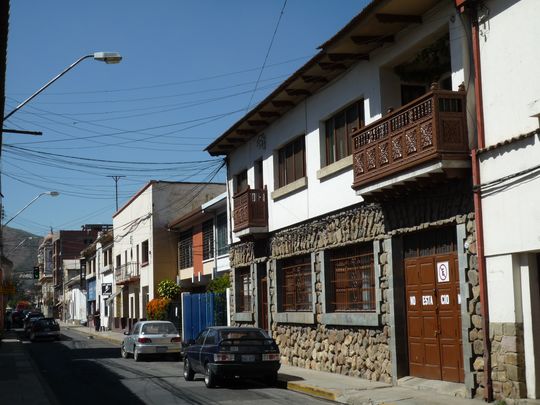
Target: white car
{"x": 151, "y": 338}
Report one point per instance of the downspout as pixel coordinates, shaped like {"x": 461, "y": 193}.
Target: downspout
{"x": 477, "y": 196}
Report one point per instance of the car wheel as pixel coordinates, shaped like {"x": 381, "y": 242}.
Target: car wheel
{"x": 124, "y": 353}
{"x": 189, "y": 374}
{"x": 209, "y": 377}
{"x": 271, "y": 379}
{"x": 136, "y": 355}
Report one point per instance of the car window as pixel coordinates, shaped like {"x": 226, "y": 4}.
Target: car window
{"x": 200, "y": 338}
{"x": 136, "y": 328}
{"x": 211, "y": 338}
{"x": 242, "y": 334}
{"x": 158, "y": 328}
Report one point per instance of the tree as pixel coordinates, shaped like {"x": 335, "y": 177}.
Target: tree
{"x": 219, "y": 284}
{"x": 168, "y": 289}
{"x": 157, "y": 309}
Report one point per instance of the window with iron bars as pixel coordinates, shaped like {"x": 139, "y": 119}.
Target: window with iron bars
{"x": 185, "y": 250}
{"x": 295, "y": 284}
{"x": 243, "y": 289}
{"x": 208, "y": 239}
{"x": 352, "y": 279}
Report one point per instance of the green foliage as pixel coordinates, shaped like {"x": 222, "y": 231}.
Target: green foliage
{"x": 168, "y": 289}
{"x": 157, "y": 309}
{"x": 219, "y": 284}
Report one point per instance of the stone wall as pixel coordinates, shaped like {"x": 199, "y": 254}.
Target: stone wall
{"x": 508, "y": 360}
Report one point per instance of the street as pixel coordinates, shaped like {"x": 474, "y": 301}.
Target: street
{"x": 82, "y": 370}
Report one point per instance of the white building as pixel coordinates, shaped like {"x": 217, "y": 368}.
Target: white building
{"x": 144, "y": 250}
{"x": 354, "y": 231}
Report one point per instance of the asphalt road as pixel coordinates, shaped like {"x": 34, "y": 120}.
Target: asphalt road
{"x": 80, "y": 371}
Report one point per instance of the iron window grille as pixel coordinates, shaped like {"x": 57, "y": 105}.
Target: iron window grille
{"x": 296, "y": 286}
{"x": 352, "y": 279}
{"x": 185, "y": 250}
{"x": 208, "y": 239}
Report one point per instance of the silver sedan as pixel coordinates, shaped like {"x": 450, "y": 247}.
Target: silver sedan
{"x": 151, "y": 338}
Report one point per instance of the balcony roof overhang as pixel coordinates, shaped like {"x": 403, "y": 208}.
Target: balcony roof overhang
{"x": 414, "y": 179}
{"x": 374, "y": 27}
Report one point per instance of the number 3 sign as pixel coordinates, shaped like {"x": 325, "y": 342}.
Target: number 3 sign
{"x": 443, "y": 272}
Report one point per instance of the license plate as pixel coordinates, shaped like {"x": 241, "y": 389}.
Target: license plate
{"x": 161, "y": 349}
{"x": 248, "y": 358}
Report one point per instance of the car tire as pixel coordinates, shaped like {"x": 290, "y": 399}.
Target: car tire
{"x": 189, "y": 374}
{"x": 271, "y": 379}
{"x": 123, "y": 352}
{"x": 209, "y": 377}
{"x": 136, "y": 355}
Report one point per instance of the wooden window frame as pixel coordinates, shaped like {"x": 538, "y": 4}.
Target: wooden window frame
{"x": 243, "y": 289}
{"x": 222, "y": 245}
{"x": 352, "y": 279}
{"x": 333, "y": 135}
{"x": 240, "y": 182}
{"x": 145, "y": 253}
{"x": 291, "y": 164}
{"x": 295, "y": 284}
{"x": 185, "y": 249}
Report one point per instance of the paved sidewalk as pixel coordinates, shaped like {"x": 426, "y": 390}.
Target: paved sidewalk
{"x": 343, "y": 389}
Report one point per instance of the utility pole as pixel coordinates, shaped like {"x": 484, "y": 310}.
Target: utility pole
{"x": 116, "y": 179}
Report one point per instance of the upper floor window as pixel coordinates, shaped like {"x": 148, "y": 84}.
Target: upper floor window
{"x": 221, "y": 234}
{"x": 208, "y": 239}
{"x": 241, "y": 182}
{"x": 295, "y": 284}
{"x": 118, "y": 260}
{"x": 352, "y": 279}
{"x": 291, "y": 162}
{"x": 339, "y": 128}
{"x": 144, "y": 252}
{"x": 185, "y": 250}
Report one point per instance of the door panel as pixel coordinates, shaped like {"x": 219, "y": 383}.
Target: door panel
{"x": 434, "y": 317}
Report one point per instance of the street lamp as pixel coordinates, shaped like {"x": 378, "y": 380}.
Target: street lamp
{"x": 19, "y": 245}
{"x": 107, "y": 57}
{"x": 51, "y": 193}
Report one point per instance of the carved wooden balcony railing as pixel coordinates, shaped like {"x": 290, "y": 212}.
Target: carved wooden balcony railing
{"x": 127, "y": 273}
{"x": 430, "y": 128}
{"x": 250, "y": 209}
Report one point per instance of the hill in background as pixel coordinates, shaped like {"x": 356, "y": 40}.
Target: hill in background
{"x": 24, "y": 257}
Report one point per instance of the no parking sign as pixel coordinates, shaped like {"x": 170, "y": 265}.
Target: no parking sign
{"x": 443, "y": 272}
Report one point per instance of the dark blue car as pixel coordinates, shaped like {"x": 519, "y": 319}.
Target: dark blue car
{"x": 221, "y": 352}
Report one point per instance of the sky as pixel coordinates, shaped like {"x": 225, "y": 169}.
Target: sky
{"x": 190, "y": 70}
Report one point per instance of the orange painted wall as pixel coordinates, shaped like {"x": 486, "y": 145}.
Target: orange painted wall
{"x": 197, "y": 249}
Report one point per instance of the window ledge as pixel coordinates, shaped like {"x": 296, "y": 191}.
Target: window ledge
{"x": 144, "y": 264}
{"x": 289, "y": 188}
{"x": 295, "y": 317}
{"x": 354, "y": 319}
{"x": 243, "y": 317}
{"x": 336, "y": 167}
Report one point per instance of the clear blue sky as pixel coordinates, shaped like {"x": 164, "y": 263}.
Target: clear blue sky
{"x": 189, "y": 72}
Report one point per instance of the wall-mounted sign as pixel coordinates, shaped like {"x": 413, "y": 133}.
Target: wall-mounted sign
{"x": 443, "y": 272}
{"x": 412, "y": 300}
{"x": 106, "y": 289}
{"x": 427, "y": 300}
{"x": 445, "y": 299}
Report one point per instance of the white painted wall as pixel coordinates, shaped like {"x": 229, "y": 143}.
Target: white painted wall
{"x": 511, "y": 92}
{"x": 504, "y": 276}
{"x": 375, "y": 82}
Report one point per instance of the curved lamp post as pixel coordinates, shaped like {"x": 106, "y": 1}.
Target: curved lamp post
{"x": 107, "y": 57}
{"x": 51, "y": 193}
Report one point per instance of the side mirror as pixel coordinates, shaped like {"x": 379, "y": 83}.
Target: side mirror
{"x": 126, "y": 332}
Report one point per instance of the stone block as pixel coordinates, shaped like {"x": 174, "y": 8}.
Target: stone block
{"x": 515, "y": 373}
{"x": 473, "y": 335}
{"x": 472, "y": 276}
{"x": 478, "y": 364}
{"x": 476, "y": 291}
{"x": 478, "y": 347}
{"x": 514, "y": 359}
{"x": 511, "y": 344}
{"x": 477, "y": 321}
{"x": 511, "y": 329}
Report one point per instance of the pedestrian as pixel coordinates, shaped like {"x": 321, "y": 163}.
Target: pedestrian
{"x": 97, "y": 321}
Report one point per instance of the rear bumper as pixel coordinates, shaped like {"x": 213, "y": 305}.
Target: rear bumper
{"x": 253, "y": 370}
{"x": 50, "y": 334}
{"x": 157, "y": 349}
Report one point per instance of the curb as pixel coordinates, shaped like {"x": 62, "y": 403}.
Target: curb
{"x": 311, "y": 390}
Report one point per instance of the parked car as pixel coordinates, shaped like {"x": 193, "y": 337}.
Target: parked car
{"x": 151, "y": 338}
{"x": 221, "y": 352}
{"x": 44, "y": 328}
{"x": 29, "y": 318}
{"x": 17, "y": 319}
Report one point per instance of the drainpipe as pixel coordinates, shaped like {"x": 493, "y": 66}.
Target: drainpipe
{"x": 472, "y": 7}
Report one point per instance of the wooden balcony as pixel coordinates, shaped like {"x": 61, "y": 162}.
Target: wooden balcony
{"x": 127, "y": 273}
{"x": 250, "y": 212}
{"x": 431, "y": 130}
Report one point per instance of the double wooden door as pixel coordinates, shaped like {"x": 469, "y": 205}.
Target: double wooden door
{"x": 434, "y": 317}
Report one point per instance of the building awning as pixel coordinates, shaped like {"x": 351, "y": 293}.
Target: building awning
{"x": 108, "y": 301}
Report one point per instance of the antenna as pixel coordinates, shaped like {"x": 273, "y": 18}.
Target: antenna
{"x": 116, "y": 179}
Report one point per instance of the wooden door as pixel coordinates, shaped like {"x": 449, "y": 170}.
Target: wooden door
{"x": 434, "y": 317}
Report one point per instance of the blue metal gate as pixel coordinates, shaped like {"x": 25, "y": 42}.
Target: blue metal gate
{"x": 200, "y": 311}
